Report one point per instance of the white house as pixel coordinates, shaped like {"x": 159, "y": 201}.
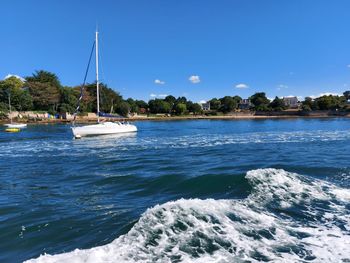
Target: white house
{"x": 291, "y": 102}
{"x": 205, "y": 105}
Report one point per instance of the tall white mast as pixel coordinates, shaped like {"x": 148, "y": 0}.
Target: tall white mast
{"x": 97, "y": 83}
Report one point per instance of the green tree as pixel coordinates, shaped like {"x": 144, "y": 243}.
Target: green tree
{"x": 324, "y": 102}
{"x": 228, "y": 104}
{"x": 109, "y": 98}
{"x": 44, "y": 87}
{"x": 170, "y": 99}
{"x": 306, "y": 107}
{"x": 181, "y": 100}
{"x": 180, "y": 108}
{"x": 330, "y": 102}
{"x": 123, "y": 108}
{"x": 308, "y": 101}
{"x": 195, "y": 108}
{"x": 25, "y": 101}
{"x": 237, "y": 99}
{"x": 133, "y": 105}
{"x": 260, "y": 101}
{"x": 45, "y": 96}
{"x": 142, "y": 104}
{"x": 3, "y": 110}
{"x": 68, "y": 100}
{"x": 159, "y": 106}
{"x": 215, "y": 104}
{"x": 14, "y": 82}
{"x": 44, "y": 76}
{"x": 20, "y": 97}
{"x": 347, "y": 94}
{"x": 278, "y": 104}
{"x": 189, "y": 105}
{"x": 308, "y": 104}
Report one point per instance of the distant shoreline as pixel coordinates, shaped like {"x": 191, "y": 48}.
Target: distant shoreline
{"x": 201, "y": 117}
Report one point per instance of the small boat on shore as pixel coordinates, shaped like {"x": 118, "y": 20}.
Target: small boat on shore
{"x": 12, "y": 130}
{"x": 16, "y": 125}
{"x": 13, "y": 125}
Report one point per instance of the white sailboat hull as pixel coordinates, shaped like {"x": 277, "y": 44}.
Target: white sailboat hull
{"x": 16, "y": 125}
{"x": 103, "y": 129}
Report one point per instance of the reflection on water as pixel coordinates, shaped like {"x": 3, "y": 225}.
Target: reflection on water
{"x": 106, "y": 140}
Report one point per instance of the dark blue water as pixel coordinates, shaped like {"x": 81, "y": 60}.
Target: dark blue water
{"x": 254, "y": 190}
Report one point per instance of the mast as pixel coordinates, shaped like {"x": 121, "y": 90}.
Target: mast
{"x": 9, "y": 95}
{"x": 97, "y": 83}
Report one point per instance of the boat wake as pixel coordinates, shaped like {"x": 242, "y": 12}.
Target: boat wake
{"x": 286, "y": 218}
{"x": 129, "y": 141}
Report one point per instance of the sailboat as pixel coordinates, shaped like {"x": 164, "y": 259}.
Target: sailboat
{"x": 12, "y": 126}
{"x": 101, "y": 128}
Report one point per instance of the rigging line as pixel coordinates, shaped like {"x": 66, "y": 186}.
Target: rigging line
{"x": 82, "y": 86}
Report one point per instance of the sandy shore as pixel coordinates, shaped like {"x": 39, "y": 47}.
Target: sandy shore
{"x": 152, "y": 118}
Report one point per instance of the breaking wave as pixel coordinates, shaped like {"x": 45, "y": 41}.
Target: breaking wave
{"x": 286, "y": 217}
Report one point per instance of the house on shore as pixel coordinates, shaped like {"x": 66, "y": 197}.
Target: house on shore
{"x": 205, "y": 105}
{"x": 245, "y": 104}
{"x": 291, "y": 102}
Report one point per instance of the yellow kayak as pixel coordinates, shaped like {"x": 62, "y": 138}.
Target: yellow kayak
{"x": 12, "y": 130}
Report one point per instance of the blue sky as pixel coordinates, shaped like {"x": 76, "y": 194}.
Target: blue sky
{"x": 281, "y": 47}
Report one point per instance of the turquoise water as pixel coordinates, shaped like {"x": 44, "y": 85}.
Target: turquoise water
{"x": 228, "y": 191}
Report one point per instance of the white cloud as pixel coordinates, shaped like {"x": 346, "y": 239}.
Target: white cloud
{"x": 159, "y": 82}
{"x": 282, "y": 86}
{"x": 324, "y": 94}
{"x": 194, "y": 79}
{"x": 242, "y": 86}
{"x": 11, "y": 75}
{"x": 202, "y": 101}
{"x": 152, "y": 95}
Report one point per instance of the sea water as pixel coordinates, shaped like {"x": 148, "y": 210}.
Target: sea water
{"x": 178, "y": 191}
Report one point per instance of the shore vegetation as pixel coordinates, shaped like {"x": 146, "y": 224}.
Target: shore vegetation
{"x": 43, "y": 91}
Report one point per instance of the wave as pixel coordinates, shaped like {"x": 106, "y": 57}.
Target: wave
{"x": 129, "y": 142}
{"x": 212, "y": 140}
{"x": 286, "y": 217}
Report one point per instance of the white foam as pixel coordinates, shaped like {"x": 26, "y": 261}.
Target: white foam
{"x": 235, "y": 230}
{"x": 79, "y": 148}
{"x": 342, "y": 194}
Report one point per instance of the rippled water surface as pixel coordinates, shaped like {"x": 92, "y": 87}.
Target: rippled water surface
{"x": 178, "y": 191}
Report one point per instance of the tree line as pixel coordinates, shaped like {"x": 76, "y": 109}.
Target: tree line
{"x": 327, "y": 102}
{"x": 43, "y": 91}
{"x": 259, "y": 102}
